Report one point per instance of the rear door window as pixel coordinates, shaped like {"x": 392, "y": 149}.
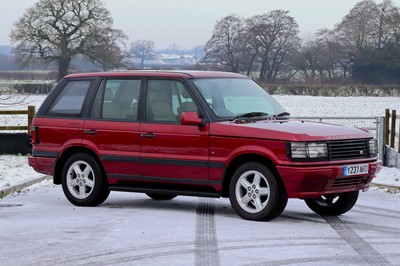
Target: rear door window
{"x": 70, "y": 101}
{"x": 117, "y": 99}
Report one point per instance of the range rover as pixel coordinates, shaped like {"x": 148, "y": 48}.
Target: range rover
{"x": 195, "y": 133}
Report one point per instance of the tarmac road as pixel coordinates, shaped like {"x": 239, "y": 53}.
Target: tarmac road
{"x": 42, "y": 228}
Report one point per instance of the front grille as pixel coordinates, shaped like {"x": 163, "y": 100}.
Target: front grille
{"x": 348, "y": 149}
{"x": 353, "y": 181}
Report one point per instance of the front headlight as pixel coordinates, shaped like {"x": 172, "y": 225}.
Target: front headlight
{"x": 308, "y": 150}
{"x": 373, "y": 148}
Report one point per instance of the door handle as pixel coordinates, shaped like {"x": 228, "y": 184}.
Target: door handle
{"x": 91, "y": 132}
{"x": 149, "y": 135}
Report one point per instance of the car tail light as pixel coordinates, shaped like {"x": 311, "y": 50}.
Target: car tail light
{"x": 35, "y": 135}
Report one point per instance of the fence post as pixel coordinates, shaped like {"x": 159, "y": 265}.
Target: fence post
{"x": 380, "y": 135}
{"x": 386, "y": 131}
{"x": 393, "y": 130}
{"x": 398, "y": 140}
{"x": 31, "y": 114}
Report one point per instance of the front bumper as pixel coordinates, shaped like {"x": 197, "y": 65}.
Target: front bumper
{"x": 314, "y": 181}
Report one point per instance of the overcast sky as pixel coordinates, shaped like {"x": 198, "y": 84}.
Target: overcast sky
{"x": 189, "y": 23}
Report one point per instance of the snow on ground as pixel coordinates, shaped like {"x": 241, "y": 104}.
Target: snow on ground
{"x": 388, "y": 176}
{"x": 15, "y": 169}
{"x": 337, "y": 106}
{"x": 43, "y": 228}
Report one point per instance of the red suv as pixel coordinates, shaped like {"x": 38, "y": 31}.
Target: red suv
{"x": 196, "y": 133}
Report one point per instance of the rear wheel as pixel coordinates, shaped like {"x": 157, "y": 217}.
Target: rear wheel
{"x": 333, "y": 204}
{"x": 155, "y": 196}
{"x": 254, "y": 193}
{"x": 82, "y": 181}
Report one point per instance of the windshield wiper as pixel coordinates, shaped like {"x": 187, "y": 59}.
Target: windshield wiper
{"x": 282, "y": 114}
{"x": 248, "y": 115}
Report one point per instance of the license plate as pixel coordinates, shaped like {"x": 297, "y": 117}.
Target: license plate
{"x": 356, "y": 169}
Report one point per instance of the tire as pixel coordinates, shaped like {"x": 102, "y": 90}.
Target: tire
{"x": 155, "y": 196}
{"x": 333, "y": 204}
{"x": 82, "y": 181}
{"x": 254, "y": 193}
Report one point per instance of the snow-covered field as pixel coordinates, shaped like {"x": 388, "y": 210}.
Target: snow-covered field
{"x": 337, "y": 106}
{"x": 14, "y": 169}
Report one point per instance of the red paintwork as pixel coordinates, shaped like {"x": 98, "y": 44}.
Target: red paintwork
{"x": 288, "y": 130}
{"x": 313, "y": 181}
{"x": 176, "y": 142}
{"x": 218, "y": 143}
{"x": 42, "y": 165}
{"x": 268, "y": 139}
{"x": 227, "y": 141}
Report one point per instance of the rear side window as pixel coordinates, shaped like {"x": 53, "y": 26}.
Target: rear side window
{"x": 70, "y": 101}
{"x": 117, "y": 99}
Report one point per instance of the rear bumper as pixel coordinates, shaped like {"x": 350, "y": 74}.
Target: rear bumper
{"x": 314, "y": 181}
{"x": 42, "y": 165}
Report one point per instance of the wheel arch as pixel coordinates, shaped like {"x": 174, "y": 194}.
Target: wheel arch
{"x": 68, "y": 153}
{"x": 245, "y": 158}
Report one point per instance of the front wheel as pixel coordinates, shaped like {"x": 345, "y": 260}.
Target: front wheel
{"x": 254, "y": 193}
{"x": 333, "y": 204}
{"x": 82, "y": 181}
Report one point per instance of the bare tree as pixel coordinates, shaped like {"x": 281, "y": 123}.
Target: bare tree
{"x": 307, "y": 59}
{"x": 358, "y": 28}
{"x": 323, "y": 58}
{"x": 251, "y": 49}
{"x": 57, "y": 31}
{"x": 106, "y": 48}
{"x": 389, "y": 24}
{"x": 143, "y": 50}
{"x": 394, "y": 22}
{"x": 335, "y": 58}
{"x": 370, "y": 36}
{"x": 227, "y": 43}
{"x": 366, "y": 42}
{"x": 276, "y": 34}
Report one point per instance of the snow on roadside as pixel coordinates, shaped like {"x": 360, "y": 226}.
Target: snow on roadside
{"x": 15, "y": 170}
{"x": 388, "y": 176}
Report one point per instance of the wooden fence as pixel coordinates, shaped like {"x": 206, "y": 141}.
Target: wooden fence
{"x": 391, "y": 119}
{"x": 30, "y": 112}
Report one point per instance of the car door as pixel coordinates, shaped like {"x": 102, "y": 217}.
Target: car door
{"x": 113, "y": 129}
{"x": 171, "y": 152}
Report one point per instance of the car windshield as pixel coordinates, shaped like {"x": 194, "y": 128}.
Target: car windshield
{"x": 230, "y": 98}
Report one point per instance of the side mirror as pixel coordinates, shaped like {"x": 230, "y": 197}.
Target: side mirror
{"x": 191, "y": 118}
